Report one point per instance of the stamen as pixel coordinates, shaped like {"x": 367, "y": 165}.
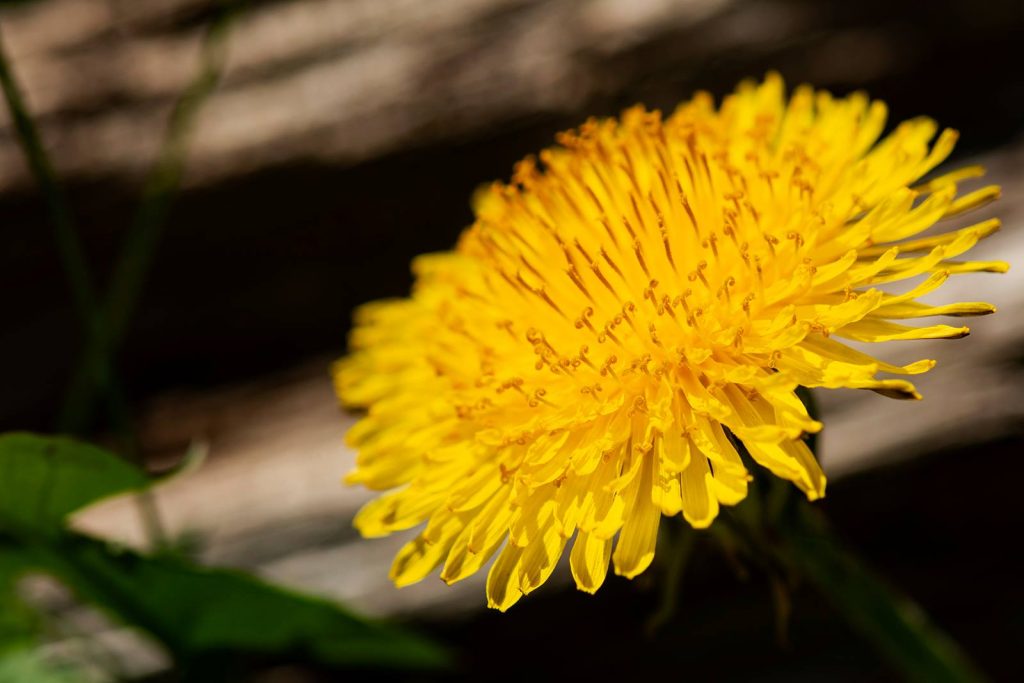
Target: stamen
{"x": 638, "y": 249}
{"x": 615, "y": 267}
{"x": 574, "y": 275}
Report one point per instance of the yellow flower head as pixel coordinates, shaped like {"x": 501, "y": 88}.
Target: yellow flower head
{"x": 626, "y": 311}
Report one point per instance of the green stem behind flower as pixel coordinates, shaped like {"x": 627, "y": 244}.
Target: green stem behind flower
{"x": 105, "y": 325}
{"x": 139, "y": 247}
{"x": 69, "y": 247}
{"x": 72, "y": 256}
{"x": 679, "y": 544}
{"x": 788, "y": 535}
{"x": 76, "y": 268}
{"x": 894, "y": 623}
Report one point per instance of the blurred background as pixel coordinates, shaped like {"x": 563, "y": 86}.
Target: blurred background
{"x": 323, "y": 143}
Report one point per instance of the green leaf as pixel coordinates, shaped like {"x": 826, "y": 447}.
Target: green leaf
{"x": 24, "y": 664}
{"x": 199, "y": 612}
{"x": 896, "y": 625}
{"x": 18, "y": 623}
{"x": 44, "y": 479}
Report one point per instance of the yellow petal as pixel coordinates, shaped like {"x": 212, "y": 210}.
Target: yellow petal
{"x": 983, "y": 229}
{"x": 872, "y": 330}
{"x": 974, "y": 266}
{"x": 540, "y": 558}
{"x": 396, "y": 511}
{"x": 463, "y": 561}
{"x": 589, "y": 561}
{"x": 503, "y": 579}
{"x": 670, "y": 500}
{"x": 420, "y": 556}
{"x": 674, "y": 449}
{"x": 634, "y": 549}
{"x": 973, "y": 200}
{"x": 913, "y": 309}
{"x": 791, "y": 460}
{"x": 700, "y": 506}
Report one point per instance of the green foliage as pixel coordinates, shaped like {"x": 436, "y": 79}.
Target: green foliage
{"x": 777, "y": 529}
{"x": 24, "y": 666}
{"x": 896, "y": 625}
{"x": 198, "y": 613}
{"x": 18, "y": 623}
{"x": 44, "y": 479}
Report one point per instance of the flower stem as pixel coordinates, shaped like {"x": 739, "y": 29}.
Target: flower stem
{"x": 80, "y": 280}
{"x": 680, "y": 547}
{"x": 72, "y": 256}
{"x": 894, "y": 623}
{"x": 141, "y": 240}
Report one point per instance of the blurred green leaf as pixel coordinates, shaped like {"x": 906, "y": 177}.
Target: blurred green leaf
{"x": 24, "y": 665}
{"x": 18, "y": 622}
{"x": 896, "y": 625}
{"x": 44, "y": 479}
{"x": 199, "y": 613}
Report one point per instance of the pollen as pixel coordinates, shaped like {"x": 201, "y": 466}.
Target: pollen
{"x": 635, "y": 309}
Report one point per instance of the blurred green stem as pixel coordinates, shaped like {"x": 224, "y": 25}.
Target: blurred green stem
{"x": 680, "y": 547}
{"x": 896, "y": 625}
{"x": 80, "y": 278}
{"x": 105, "y": 326}
{"x": 163, "y": 181}
{"x": 93, "y": 376}
{"x": 70, "y": 249}
{"x": 141, "y": 240}
{"x": 69, "y": 246}
{"x": 790, "y": 537}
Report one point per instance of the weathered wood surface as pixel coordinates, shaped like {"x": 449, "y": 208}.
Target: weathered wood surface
{"x": 347, "y": 80}
{"x": 326, "y": 79}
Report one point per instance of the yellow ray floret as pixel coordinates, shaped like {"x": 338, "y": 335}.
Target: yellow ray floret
{"x": 636, "y": 305}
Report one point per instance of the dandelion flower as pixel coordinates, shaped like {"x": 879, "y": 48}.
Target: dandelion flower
{"x": 629, "y": 310}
